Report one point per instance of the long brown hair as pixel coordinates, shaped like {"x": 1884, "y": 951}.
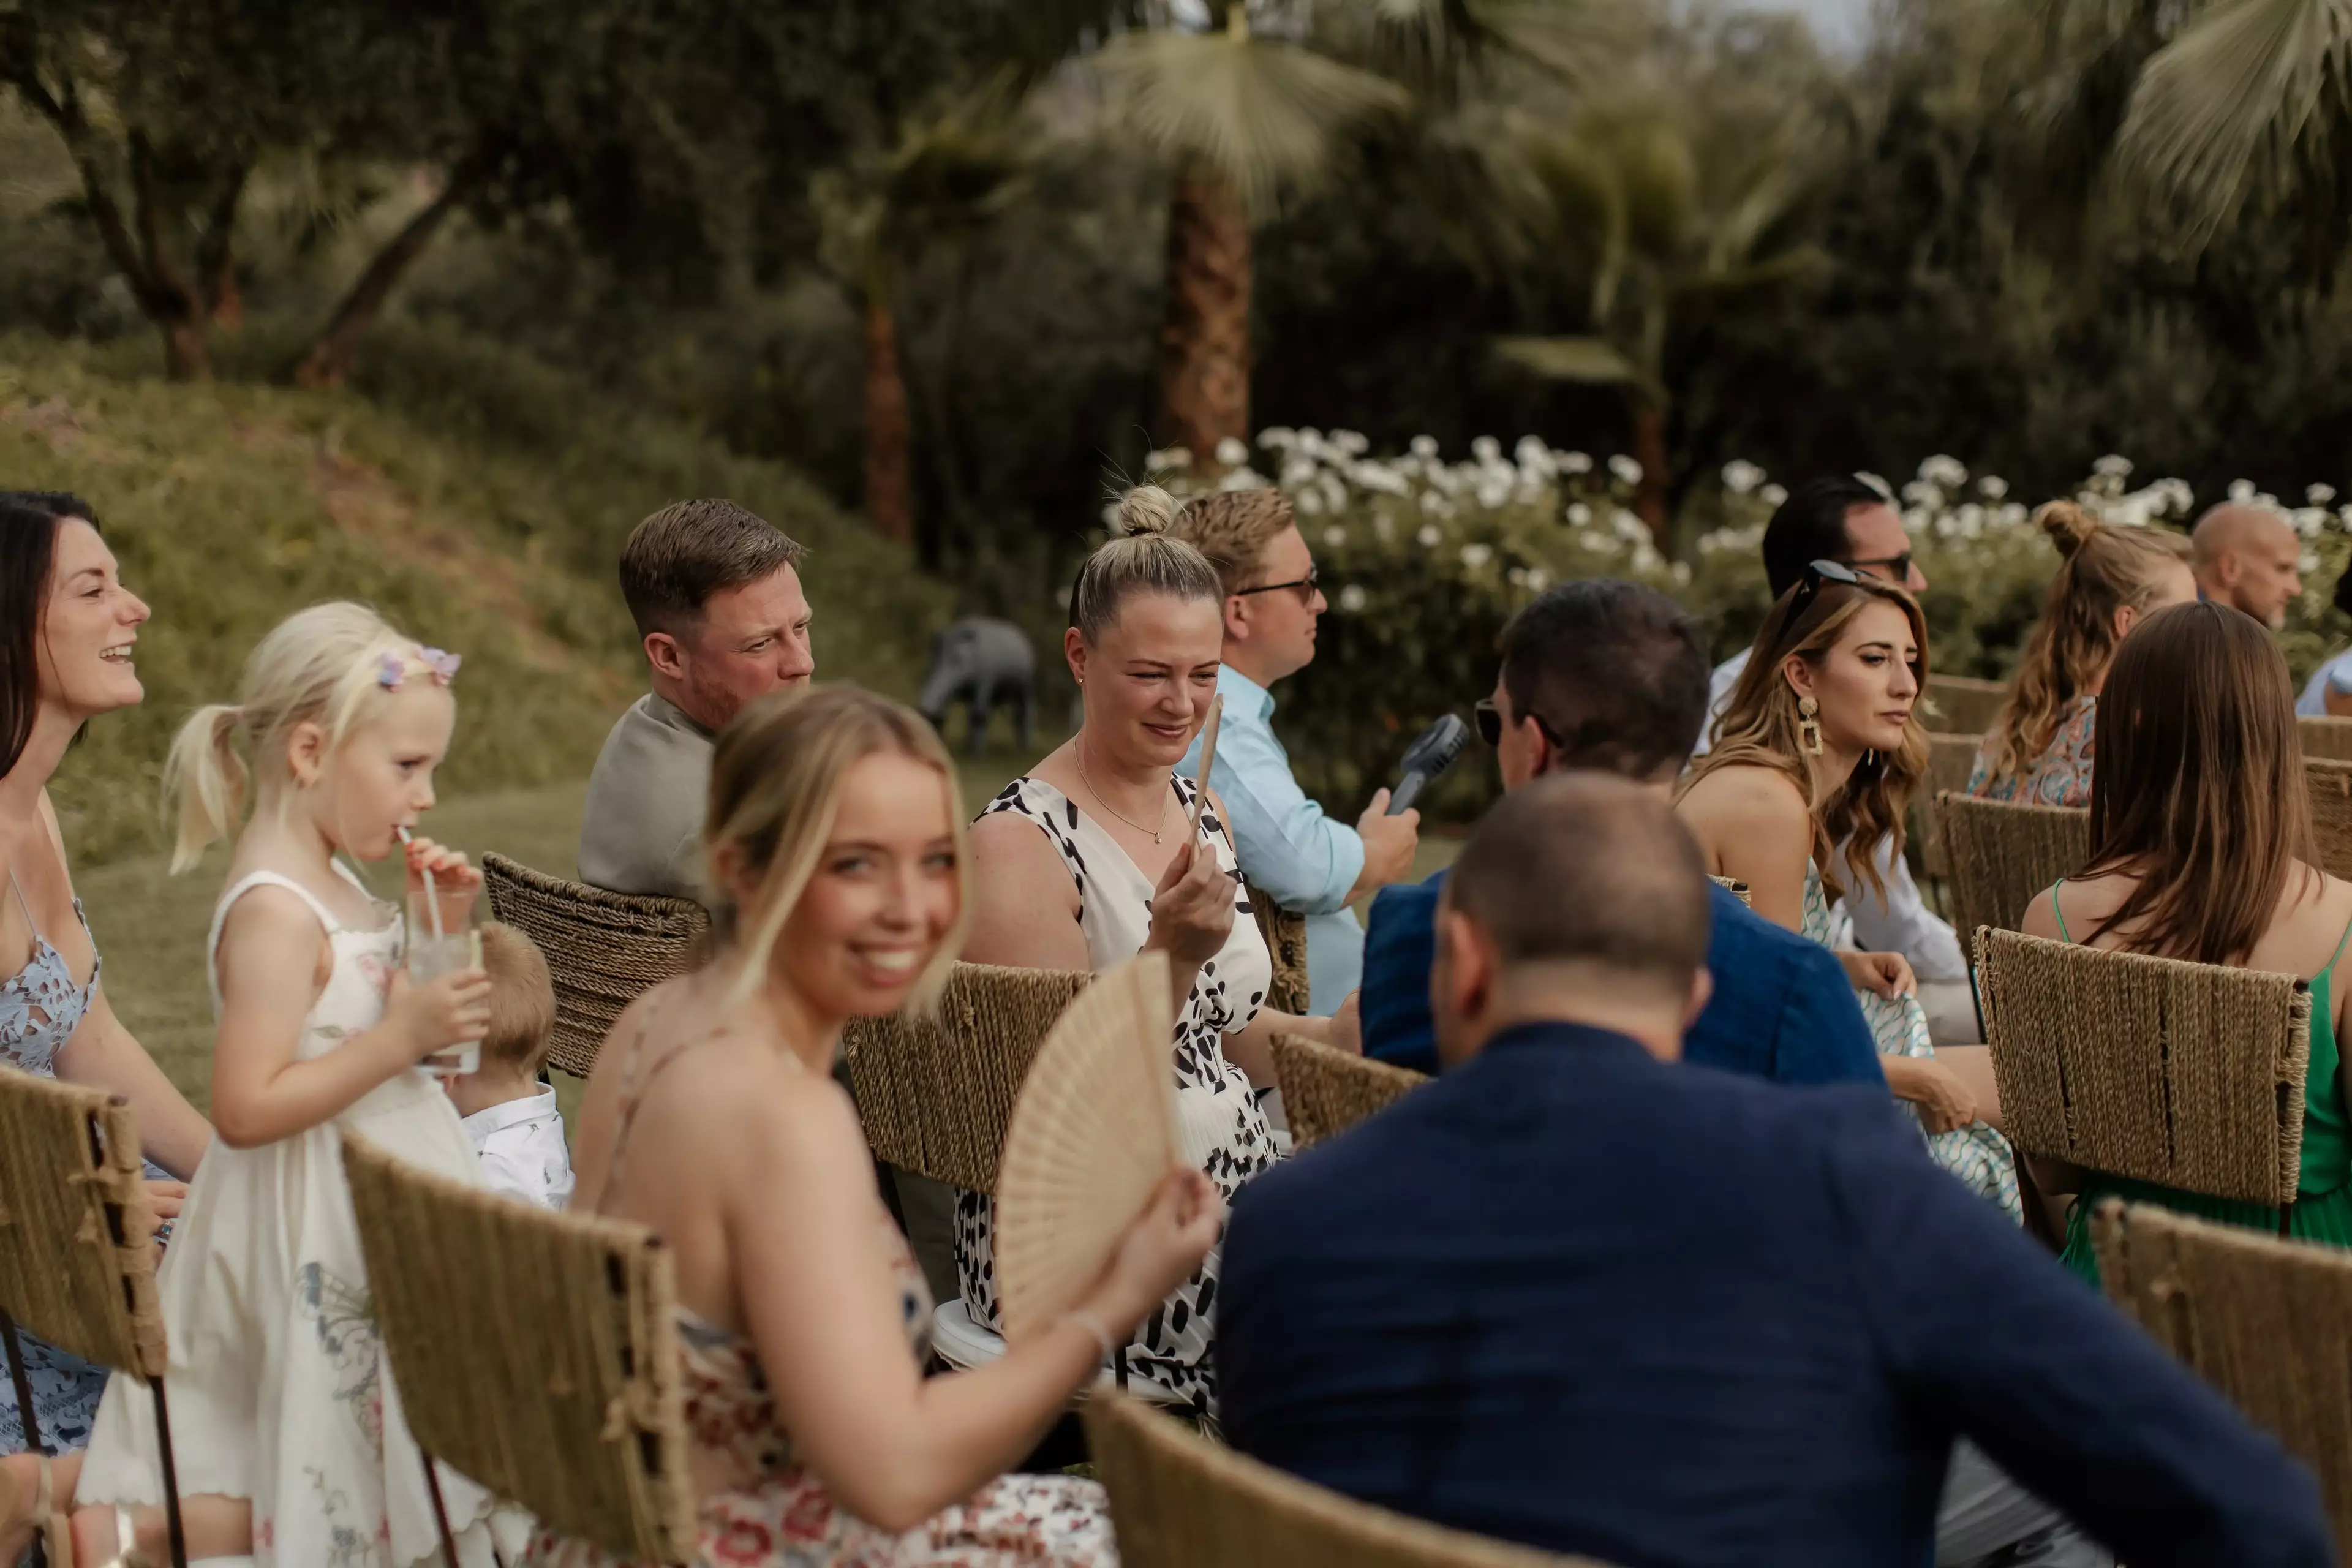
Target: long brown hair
{"x": 1759, "y": 727}
{"x": 2199, "y": 790}
{"x": 2105, "y": 568}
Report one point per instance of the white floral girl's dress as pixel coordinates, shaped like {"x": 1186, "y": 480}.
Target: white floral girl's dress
{"x": 1977, "y": 1154}
{"x": 1225, "y": 1133}
{"x": 279, "y": 1393}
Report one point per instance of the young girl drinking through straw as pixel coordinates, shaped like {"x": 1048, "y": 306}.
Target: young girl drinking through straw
{"x": 285, "y": 1425}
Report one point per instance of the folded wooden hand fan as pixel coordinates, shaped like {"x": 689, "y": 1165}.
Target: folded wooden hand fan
{"x": 1092, "y": 1134}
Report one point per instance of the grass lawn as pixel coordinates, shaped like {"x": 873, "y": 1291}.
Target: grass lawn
{"x": 152, "y": 926}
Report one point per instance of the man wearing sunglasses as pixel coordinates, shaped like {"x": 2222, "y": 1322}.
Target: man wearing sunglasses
{"x": 1288, "y": 849}
{"x": 1843, "y": 520}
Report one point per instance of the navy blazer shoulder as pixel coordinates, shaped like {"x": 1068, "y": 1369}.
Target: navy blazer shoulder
{"x": 1783, "y": 1008}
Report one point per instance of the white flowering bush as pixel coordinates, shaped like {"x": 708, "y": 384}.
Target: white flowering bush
{"x": 1425, "y": 559}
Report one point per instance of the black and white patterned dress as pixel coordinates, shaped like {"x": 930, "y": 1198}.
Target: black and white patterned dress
{"x": 1225, "y": 1134}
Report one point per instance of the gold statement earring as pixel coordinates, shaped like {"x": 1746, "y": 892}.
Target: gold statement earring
{"x": 1809, "y": 729}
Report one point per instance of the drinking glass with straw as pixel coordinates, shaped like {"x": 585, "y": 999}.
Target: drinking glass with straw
{"x": 443, "y": 941}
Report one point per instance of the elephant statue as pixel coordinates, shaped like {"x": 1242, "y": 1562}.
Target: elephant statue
{"x": 981, "y": 661}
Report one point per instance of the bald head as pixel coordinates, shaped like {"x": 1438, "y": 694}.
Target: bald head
{"x": 2248, "y": 557}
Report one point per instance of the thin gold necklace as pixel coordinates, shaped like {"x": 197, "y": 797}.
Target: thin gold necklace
{"x": 1079, "y": 755}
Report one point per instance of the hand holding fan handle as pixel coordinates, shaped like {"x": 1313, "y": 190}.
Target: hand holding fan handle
{"x": 1157, "y": 1252}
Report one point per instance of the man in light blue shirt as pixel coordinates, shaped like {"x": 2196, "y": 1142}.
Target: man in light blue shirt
{"x": 1288, "y": 849}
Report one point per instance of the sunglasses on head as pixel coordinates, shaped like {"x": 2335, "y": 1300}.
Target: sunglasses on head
{"x": 1819, "y": 572}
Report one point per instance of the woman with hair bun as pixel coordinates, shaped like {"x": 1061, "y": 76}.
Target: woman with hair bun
{"x": 2110, "y": 578}
{"x": 1089, "y": 859}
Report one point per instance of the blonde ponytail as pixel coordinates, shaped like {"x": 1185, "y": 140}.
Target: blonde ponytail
{"x": 205, "y": 780}
{"x": 1144, "y": 559}
{"x": 330, "y": 665}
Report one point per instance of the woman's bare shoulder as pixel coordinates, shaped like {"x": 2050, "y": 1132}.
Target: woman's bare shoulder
{"x": 1748, "y": 794}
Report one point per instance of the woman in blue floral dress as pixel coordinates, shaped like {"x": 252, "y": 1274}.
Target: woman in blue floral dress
{"x": 1813, "y": 766}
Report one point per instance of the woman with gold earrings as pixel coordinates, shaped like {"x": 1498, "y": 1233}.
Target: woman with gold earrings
{"x": 1813, "y": 765}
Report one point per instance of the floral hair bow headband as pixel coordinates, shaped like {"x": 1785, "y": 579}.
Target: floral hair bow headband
{"x": 440, "y": 665}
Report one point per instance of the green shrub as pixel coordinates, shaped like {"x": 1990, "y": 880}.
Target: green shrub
{"x": 487, "y": 521}
{"x": 1426, "y": 560}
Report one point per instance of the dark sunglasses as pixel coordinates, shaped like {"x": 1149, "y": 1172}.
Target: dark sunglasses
{"x": 1490, "y": 722}
{"x": 1305, "y": 586}
{"x": 1898, "y": 567}
{"x": 1819, "y": 573}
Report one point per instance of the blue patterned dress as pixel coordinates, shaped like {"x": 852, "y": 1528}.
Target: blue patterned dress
{"x": 1979, "y": 1156}
{"x": 2061, "y": 775}
{"x": 40, "y": 1008}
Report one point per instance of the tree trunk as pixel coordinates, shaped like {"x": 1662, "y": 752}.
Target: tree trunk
{"x": 1650, "y": 451}
{"x": 188, "y": 349}
{"x": 1204, "y": 348}
{"x": 336, "y": 350}
{"x": 888, "y": 506}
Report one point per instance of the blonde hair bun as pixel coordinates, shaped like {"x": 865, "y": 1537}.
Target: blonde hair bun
{"x": 2069, "y": 524}
{"x": 1145, "y": 510}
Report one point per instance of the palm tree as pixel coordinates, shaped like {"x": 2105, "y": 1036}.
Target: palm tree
{"x": 882, "y": 213}
{"x": 2230, "y": 102}
{"x": 1663, "y": 221}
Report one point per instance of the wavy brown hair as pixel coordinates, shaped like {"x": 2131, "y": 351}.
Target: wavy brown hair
{"x": 1760, "y": 728}
{"x": 2105, "y": 568}
{"x": 2200, "y": 791}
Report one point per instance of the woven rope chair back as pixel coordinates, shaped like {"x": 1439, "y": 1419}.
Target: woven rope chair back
{"x": 1285, "y": 942}
{"x": 536, "y": 1353}
{"x": 1735, "y": 887}
{"x": 1179, "y": 1501}
{"x": 2268, "y": 1322}
{"x": 603, "y": 950}
{"x": 2329, "y": 784}
{"x": 2189, "y": 1075}
{"x": 1950, "y": 760}
{"x": 1327, "y": 1091}
{"x": 2325, "y": 737}
{"x": 1962, "y": 705}
{"x": 936, "y": 1094}
{"x": 76, "y": 1237}
{"x": 1999, "y": 855}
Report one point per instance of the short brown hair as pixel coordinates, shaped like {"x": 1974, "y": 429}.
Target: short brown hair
{"x": 1231, "y": 529}
{"x": 522, "y": 998}
{"x": 690, "y": 550}
{"x": 1587, "y": 867}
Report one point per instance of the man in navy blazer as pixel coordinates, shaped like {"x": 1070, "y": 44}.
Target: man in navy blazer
{"x": 1577, "y": 1294}
{"x": 1612, "y": 676}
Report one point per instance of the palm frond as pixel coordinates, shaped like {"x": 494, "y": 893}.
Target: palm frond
{"x": 2230, "y": 104}
{"x": 1266, "y": 115}
{"x": 1587, "y": 360}
{"x": 1439, "y": 47}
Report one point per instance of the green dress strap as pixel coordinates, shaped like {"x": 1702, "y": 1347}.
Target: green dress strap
{"x": 2060, "y": 915}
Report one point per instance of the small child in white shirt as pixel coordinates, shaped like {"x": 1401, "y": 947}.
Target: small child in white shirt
{"x": 508, "y": 1113}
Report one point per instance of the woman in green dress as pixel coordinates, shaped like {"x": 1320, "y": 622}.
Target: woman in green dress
{"x": 2201, "y": 848}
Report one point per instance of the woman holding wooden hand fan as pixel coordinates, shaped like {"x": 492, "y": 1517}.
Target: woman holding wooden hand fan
{"x": 835, "y": 837}
{"x": 1103, "y": 851}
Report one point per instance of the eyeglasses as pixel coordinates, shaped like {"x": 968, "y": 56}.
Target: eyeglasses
{"x": 1490, "y": 724}
{"x": 1305, "y": 586}
{"x": 1898, "y": 567}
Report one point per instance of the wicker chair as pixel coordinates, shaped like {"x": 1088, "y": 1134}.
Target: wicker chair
{"x": 1327, "y": 1091}
{"x": 1999, "y": 855}
{"x": 1735, "y": 887}
{"x": 2187, "y": 1075}
{"x": 1286, "y": 939}
{"x": 1179, "y": 1501}
{"x": 77, "y": 1249}
{"x": 1950, "y": 760}
{"x": 603, "y": 950}
{"x": 1960, "y": 705}
{"x": 535, "y": 1352}
{"x": 2268, "y": 1322}
{"x": 2329, "y": 784}
{"x": 2326, "y": 738}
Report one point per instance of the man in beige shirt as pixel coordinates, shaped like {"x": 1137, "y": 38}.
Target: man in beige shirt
{"x": 718, "y": 602}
